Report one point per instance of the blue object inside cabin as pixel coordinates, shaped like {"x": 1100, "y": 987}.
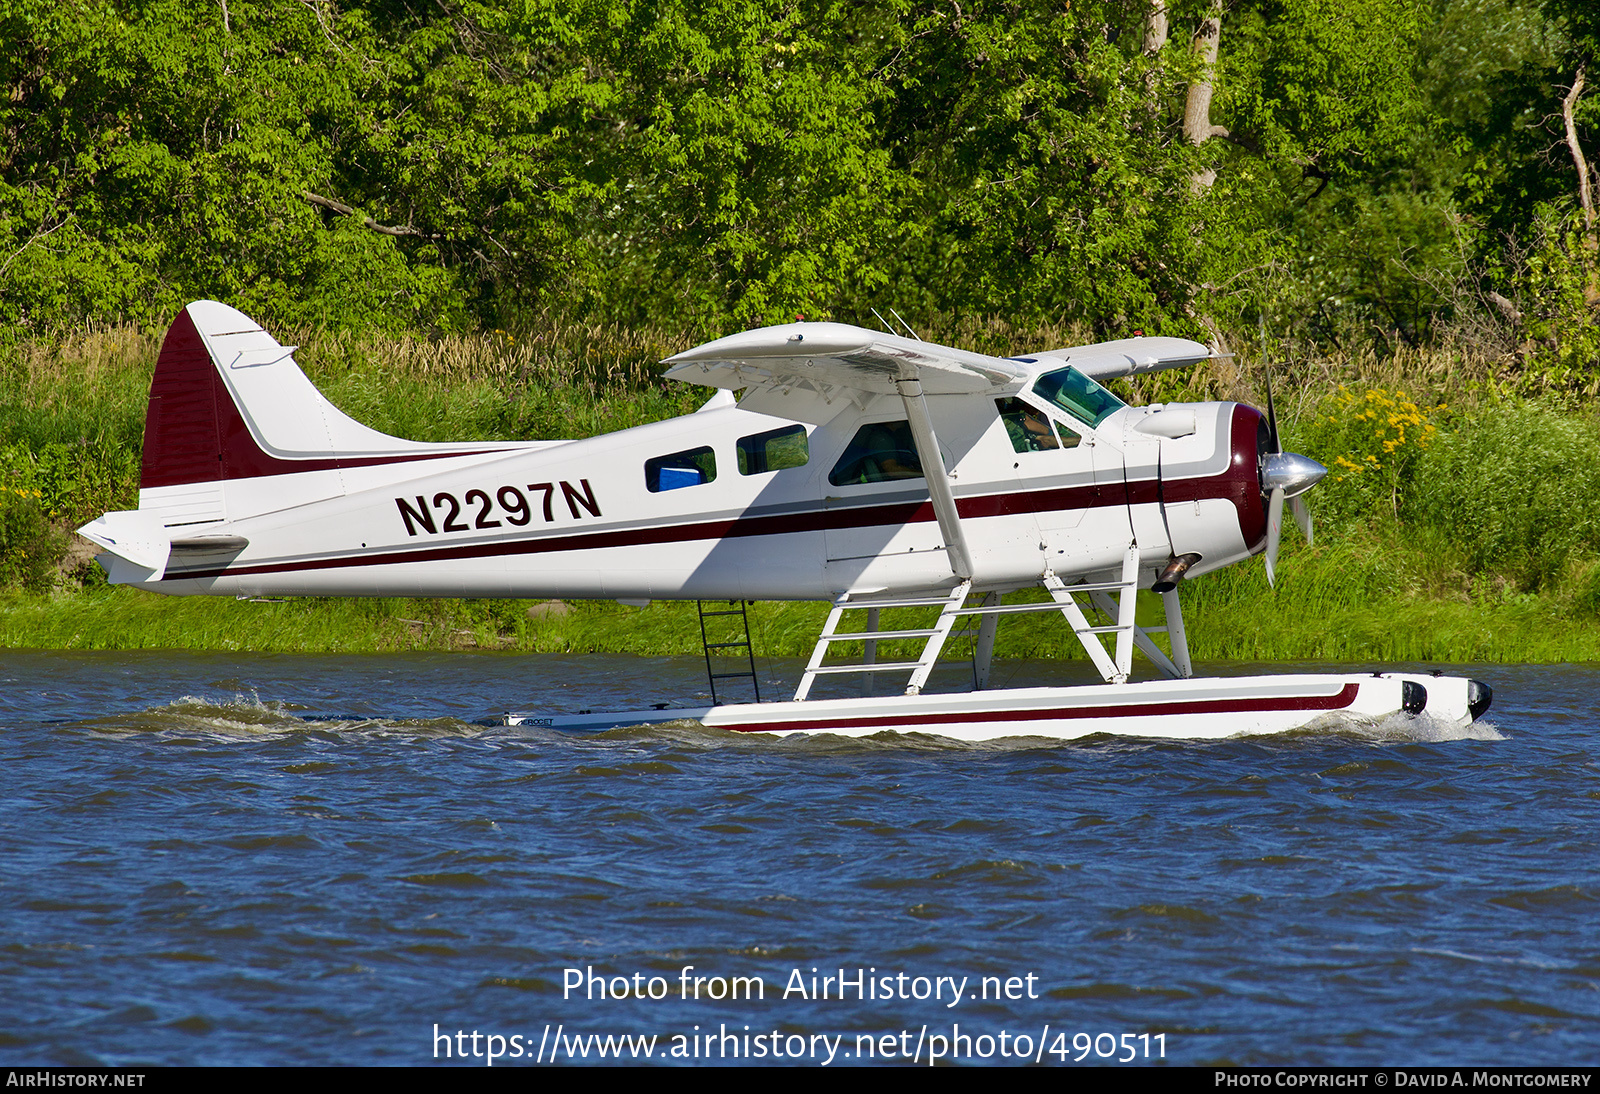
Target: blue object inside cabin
{"x": 676, "y": 478}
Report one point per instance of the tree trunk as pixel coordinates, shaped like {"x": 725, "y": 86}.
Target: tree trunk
{"x": 1585, "y": 189}
{"x": 1155, "y": 27}
{"x": 1155, "y": 40}
{"x": 361, "y": 218}
{"x": 1197, "y": 127}
{"x": 1591, "y": 240}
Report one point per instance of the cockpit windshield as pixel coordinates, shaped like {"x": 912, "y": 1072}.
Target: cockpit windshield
{"x": 1078, "y": 395}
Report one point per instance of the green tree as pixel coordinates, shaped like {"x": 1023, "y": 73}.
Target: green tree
{"x": 751, "y": 183}
{"x": 1041, "y": 139}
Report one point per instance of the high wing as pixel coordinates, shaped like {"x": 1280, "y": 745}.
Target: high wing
{"x": 831, "y": 358}
{"x": 837, "y": 358}
{"x": 1130, "y": 356}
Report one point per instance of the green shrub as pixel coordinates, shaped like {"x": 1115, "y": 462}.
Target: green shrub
{"x": 1586, "y": 590}
{"x": 1516, "y": 486}
{"x": 1372, "y": 442}
{"x": 1556, "y": 283}
{"x": 29, "y": 546}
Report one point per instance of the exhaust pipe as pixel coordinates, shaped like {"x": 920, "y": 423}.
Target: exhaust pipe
{"x": 1177, "y": 566}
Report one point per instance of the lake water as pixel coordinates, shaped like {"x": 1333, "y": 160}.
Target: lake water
{"x": 224, "y": 859}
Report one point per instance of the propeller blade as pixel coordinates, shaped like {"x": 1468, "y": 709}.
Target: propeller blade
{"x": 1274, "y": 531}
{"x": 1302, "y": 516}
{"x": 1272, "y": 415}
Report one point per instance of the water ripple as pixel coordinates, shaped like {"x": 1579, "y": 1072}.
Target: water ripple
{"x": 219, "y": 859}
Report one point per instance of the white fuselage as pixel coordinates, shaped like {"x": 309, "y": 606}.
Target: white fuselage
{"x": 578, "y": 519}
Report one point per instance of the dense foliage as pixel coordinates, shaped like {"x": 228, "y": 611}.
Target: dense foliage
{"x": 1366, "y": 170}
{"x": 491, "y": 219}
{"x": 1440, "y": 490}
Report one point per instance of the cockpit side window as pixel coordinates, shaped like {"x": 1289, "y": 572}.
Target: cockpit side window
{"x": 773, "y": 451}
{"x": 879, "y": 452}
{"x": 1030, "y": 429}
{"x": 681, "y": 469}
{"x": 1078, "y": 395}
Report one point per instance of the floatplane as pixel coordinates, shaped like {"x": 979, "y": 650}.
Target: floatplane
{"x": 869, "y": 469}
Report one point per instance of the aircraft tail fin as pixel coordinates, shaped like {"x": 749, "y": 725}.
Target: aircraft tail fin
{"x": 230, "y": 415}
{"x": 227, "y": 401}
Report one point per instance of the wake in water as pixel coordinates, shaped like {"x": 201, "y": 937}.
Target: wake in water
{"x": 254, "y": 718}
{"x": 249, "y": 716}
{"x": 241, "y": 716}
{"x": 1401, "y": 729}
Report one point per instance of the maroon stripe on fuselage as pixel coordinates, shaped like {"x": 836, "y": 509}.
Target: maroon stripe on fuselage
{"x": 1338, "y": 701}
{"x": 194, "y": 433}
{"x": 894, "y": 515}
{"x": 1239, "y": 484}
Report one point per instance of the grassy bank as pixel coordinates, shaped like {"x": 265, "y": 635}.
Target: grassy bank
{"x": 1458, "y": 523}
{"x": 1230, "y": 618}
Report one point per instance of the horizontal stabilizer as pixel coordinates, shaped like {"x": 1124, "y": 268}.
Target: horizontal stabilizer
{"x": 136, "y": 536}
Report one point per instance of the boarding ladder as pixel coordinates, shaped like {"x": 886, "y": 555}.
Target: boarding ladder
{"x": 1114, "y": 599}
{"x": 735, "y": 642}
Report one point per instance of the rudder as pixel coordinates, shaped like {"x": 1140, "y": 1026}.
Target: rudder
{"x": 182, "y": 443}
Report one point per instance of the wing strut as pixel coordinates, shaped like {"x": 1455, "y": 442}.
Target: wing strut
{"x": 938, "y": 479}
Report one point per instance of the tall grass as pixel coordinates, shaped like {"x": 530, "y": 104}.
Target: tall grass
{"x": 1458, "y": 523}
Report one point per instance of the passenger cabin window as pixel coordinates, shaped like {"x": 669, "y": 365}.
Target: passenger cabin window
{"x": 681, "y": 469}
{"x": 879, "y": 452}
{"x": 1030, "y": 428}
{"x": 1078, "y": 395}
{"x": 773, "y": 451}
